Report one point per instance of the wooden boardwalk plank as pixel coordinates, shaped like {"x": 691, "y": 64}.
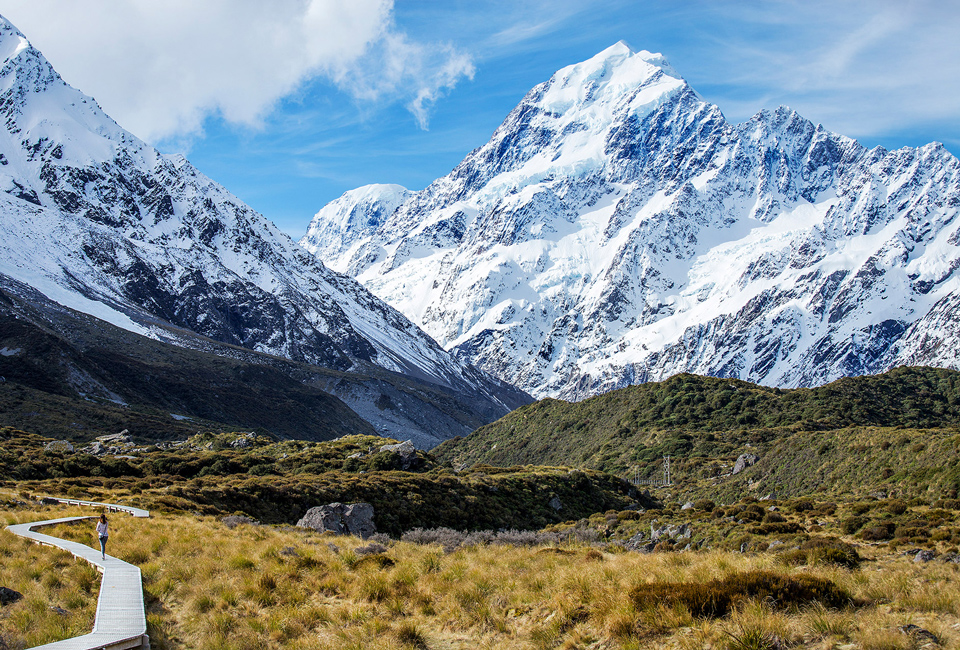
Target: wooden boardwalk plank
{"x": 120, "y": 622}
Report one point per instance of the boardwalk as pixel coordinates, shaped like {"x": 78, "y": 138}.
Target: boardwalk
{"x": 120, "y": 622}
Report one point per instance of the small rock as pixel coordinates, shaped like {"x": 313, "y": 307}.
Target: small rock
{"x": 8, "y": 596}
{"x": 49, "y": 501}
{"x": 96, "y": 448}
{"x": 556, "y": 504}
{"x": 918, "y": 634}
{"x": 744, "y": 461}
{"x": 232, "y": 521}
{"x": 687, "y": 506}
{"x": 924, "y": 556}
{"x": 406, "y": 451}
{"x": 115, "y": 438}
{"x": 404, "y": 448}
{"x": 60, "y": 446}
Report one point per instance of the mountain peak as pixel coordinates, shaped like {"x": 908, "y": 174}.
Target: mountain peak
{"x": 12, "y": 41}
{"x": 615, "y": 79}
{"x": 616, "y": 229}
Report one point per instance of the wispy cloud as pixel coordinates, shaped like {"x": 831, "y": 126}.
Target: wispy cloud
{"x": 861, "y": 67}
{"x": 398, "y": 67}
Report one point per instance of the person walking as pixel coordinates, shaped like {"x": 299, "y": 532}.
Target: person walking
{"x": 102, "y": 534}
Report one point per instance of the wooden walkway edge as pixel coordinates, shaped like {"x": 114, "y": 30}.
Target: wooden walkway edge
{"x": 121, "y": 621}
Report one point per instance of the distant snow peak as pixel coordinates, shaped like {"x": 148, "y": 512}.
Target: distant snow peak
{"x": 617, "y": 229}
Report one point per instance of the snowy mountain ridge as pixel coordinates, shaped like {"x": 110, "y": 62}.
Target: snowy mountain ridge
{"x": 617, "y": 229}
{"x": 99, "y": 221}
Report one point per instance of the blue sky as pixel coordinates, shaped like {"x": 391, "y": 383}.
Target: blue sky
{"x": 290, "y": 103}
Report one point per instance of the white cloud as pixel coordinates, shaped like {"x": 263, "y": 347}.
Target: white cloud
{"x": 161, "y": 68}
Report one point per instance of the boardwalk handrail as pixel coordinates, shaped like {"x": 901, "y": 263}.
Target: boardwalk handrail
{"x": 112, "y": 507}
{"x": 121, "y": 621}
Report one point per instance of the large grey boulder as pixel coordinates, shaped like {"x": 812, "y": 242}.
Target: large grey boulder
{"x": 745, "y": 461}
{"x": 343, "y": 519}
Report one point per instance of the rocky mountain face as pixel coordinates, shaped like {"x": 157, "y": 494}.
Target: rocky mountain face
{"x": 616, "y": 229}
{"x": 98, "y": 221}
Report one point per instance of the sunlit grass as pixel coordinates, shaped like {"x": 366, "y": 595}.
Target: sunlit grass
{"x": 209, "y": 586}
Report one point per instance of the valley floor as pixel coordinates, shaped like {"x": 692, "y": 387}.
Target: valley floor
{"x": 227, "y": 583}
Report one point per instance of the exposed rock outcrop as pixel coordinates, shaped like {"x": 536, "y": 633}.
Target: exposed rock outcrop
{"x": 745, "y": 461}
{"x": 340, "y": 518}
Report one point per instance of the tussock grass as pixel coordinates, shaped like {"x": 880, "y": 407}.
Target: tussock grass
{"x": 211, "y": 586}
{"x": 47, "y": 578}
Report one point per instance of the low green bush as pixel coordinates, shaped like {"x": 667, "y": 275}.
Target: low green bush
{"x": 896, "y": 506}
{"x": 851, "y": 525}
{"x": 822, "y": 550}
{"x": 878, "y": 532}
{"x": 717, "y": 598}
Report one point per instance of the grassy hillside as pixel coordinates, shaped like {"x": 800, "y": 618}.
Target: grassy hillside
{"x": 278, "y": 482}
{"x": 705, "y": 423}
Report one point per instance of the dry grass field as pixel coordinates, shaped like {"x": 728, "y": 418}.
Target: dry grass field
{"x": 211, "y": 585}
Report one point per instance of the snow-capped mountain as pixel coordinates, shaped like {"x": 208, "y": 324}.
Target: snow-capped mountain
{"x": 616, "y": 229}
{"x": 100, "y": 222}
